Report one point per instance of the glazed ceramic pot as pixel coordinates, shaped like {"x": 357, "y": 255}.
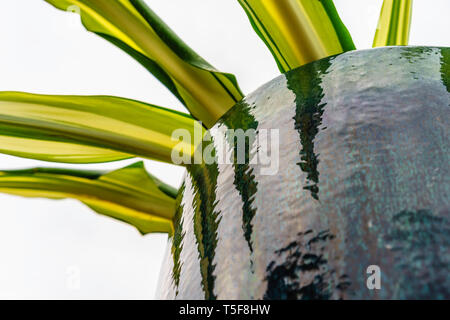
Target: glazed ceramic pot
{"x": 360, "y": 188}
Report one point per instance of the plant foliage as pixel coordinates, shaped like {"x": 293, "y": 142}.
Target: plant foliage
{"x": 394, "y": 23}
{"x": 90, "y": 129}
{"x": 129, "y": 194}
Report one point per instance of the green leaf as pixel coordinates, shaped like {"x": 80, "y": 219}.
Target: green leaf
{"x": 129, "y": 194}
{"x": 88, "y": 129}
{"x": 133, "y": 27}
{"x": 298, "y": 31}
{"x": 394, "y": 23}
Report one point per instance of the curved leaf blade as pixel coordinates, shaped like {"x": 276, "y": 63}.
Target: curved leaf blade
{"x": 129, "y": 194}
{"x": 132, "y": 26}
{"x": 298, "y": 31}
{"x": 394, "y": 23}
{"x": 88, "y": 129}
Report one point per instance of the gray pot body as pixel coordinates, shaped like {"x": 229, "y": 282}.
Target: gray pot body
{"x": 361, "y": 185}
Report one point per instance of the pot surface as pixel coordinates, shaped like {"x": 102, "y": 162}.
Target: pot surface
{"x": 357, "y": 183}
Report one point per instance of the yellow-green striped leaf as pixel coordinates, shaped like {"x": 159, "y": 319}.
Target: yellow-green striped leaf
{"x": 88, "y": 129}
{"x": 298, "y": 31}
{"x": 132, "y": 26}
{"x": 394, "y": 23}
{"x": 129, "y": 194}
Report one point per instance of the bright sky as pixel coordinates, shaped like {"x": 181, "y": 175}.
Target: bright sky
{"x": 45, "y": 245}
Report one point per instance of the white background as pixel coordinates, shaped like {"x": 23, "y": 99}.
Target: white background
{"x": 43, "y": 243}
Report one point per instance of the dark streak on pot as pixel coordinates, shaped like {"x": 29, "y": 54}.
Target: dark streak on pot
{"x": 309, "y": 110}
{"x": 178, "y": 236}
{"x": 206, "y": 221}
{"x": 445, "y": 67}
{"x": 244, "y": 177}
{"x": 305, "y": 255}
